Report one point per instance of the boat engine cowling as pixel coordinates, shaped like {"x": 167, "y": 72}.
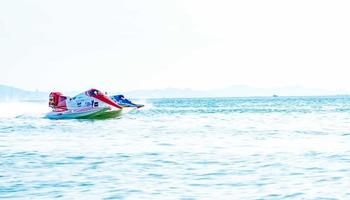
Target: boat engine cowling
{"x": 54, "y": 99}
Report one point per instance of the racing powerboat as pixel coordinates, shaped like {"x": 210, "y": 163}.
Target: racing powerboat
{"x": 91, "y": 104}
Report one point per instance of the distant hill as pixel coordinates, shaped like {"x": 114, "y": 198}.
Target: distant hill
{"x": 233, "y": 91}
{"x": 8, "y": 93}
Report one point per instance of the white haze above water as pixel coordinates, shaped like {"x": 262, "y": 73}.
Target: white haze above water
{"x": 128, "y": 45}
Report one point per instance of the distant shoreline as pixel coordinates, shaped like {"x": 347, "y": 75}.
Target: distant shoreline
{"x": 8, "y": 93}
{"x": 8, "y": 100}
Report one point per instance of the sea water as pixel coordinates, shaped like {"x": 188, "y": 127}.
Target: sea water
{"x": 225, "y": 148}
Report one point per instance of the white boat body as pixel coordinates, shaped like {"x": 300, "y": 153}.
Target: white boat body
{"x": 89, "y": 104}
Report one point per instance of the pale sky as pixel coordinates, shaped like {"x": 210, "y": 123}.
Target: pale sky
{"x": 137, "y": 44}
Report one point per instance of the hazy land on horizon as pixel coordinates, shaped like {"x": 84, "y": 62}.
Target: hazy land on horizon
{"x": 8, "y": 92}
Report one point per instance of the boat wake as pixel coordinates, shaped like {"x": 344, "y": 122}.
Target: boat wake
{"x": 22, "y": 109}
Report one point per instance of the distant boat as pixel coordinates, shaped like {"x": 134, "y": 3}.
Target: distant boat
{"x": 275, "y": 95}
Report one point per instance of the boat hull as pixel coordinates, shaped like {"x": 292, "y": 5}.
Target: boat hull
{"x": 91, "y": 113}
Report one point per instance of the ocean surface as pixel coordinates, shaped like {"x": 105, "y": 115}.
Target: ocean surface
{"x": 226, "y": 148}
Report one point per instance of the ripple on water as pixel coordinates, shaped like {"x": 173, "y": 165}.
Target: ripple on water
{"x": 229, "y": 148}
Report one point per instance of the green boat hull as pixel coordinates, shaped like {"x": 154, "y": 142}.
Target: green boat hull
{"x": 103, "y": 113}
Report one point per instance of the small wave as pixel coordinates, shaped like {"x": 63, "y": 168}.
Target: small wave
{"x": 22, "y": 109}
